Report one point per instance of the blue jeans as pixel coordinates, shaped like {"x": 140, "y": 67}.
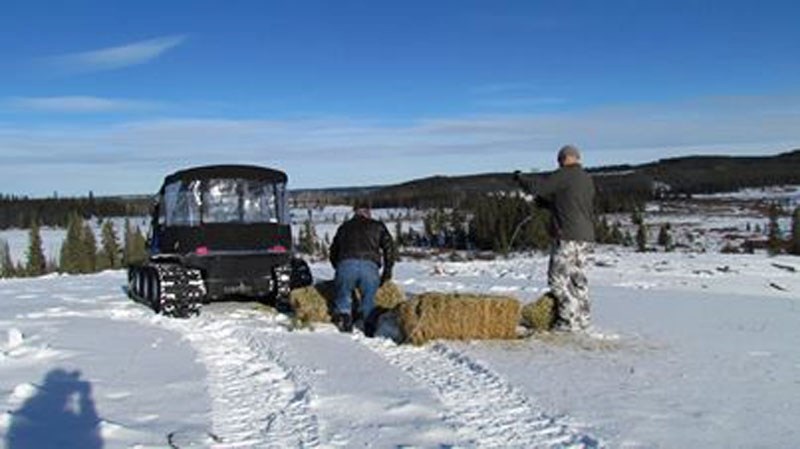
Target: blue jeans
{"x": 352, "y": 274}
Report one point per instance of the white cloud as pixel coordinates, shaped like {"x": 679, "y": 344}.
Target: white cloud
{"x": 514, "y": 96}
{"x": 320, "y": 152}
{"x": 112, "y": 58}
{"x": 503, "y": 88}
{"x": 521, "y": 102}
{"x": 77, "y": 104}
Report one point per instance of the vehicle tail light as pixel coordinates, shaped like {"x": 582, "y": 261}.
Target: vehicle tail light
{"x": 201, "y": 251}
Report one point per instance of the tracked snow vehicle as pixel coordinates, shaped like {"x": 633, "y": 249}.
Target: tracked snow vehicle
{"x": 218, "y": 232}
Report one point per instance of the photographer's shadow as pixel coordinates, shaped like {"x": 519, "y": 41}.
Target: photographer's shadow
{"x": 61, "y": 415}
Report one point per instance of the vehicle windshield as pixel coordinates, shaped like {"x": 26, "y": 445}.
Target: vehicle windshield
{"x": 223, "y": 201}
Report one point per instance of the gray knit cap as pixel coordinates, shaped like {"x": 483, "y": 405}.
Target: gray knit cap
{"x": 568, "y": 150}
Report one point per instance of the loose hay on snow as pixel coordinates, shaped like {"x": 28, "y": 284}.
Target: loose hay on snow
{"x": 458, "y": 316}
{"x": 540, "y": 315}
{"x": 313, "y": 304}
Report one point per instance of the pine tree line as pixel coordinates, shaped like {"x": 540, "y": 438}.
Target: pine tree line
{"x": 20, "y": 211}
{"x": 80, "y": 253}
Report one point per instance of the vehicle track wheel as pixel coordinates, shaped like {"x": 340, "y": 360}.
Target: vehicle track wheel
{"x": 153, "y": 290}
{"x": 140, "y": 282}
{"x": 132, "y": 281}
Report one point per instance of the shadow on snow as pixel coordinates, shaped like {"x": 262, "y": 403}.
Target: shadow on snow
{"x": 61, "y": 415}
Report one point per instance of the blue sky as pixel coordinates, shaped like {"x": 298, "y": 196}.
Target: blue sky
{"x": 111, "y": 96}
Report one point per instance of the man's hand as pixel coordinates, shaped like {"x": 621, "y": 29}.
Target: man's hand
{"x": 522, "y": 183}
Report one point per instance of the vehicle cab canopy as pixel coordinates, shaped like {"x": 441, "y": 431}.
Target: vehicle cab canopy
{"x": 243, "y": 194}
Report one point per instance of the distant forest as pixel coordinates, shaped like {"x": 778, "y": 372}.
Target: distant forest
{"x": 621, "y": 188}
{"x": 22, "y": 212}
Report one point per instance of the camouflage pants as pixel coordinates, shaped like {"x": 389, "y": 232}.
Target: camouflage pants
{"x": 568, "y": 284}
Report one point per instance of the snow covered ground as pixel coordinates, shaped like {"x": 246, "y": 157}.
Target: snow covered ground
{"x": 695, "y": 350}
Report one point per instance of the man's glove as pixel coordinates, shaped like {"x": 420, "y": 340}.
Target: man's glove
{"x": 386, "y": 276}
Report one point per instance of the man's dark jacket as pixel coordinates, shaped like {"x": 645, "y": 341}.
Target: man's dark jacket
{"x": 569, "y": 194}
{"x": 363, "y": 238}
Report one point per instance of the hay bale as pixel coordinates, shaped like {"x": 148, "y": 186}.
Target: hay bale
{"x": 540, "y": 315}
{"x": 458, "y": 316}
{"x": 310, "y": 305}
{"x": 389, "y": 295}
{"x": 313, "y": 304}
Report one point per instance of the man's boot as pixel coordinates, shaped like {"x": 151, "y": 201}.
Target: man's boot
{"x": 343, "y": 322}
{"x": 371, "y": 323}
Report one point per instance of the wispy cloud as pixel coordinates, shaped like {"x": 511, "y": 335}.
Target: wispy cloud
{"x": 320, "y": 152}
{"x": 521, "y": 102}
{"x": 112, "y": 58}
{"x": 503, "y": 88}
{"x": 77, "y": 104}
{"x": 518, "y": 95}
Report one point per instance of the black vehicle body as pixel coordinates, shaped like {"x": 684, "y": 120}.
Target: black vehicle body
{"x": 231, "y": 224}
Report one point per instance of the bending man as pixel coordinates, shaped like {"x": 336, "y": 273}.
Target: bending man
{"x": 359, "y": 247}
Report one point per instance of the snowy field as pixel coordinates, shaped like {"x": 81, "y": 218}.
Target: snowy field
{"x": 695, "y": 350}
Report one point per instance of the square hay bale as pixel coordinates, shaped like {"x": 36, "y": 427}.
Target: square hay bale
{"x": 540, "y": 315}
{"x": 389, "y": 295}
{"x": 314, "y": 304}
{"x": 458, "y": 316}
{"x": 310, "y": 304}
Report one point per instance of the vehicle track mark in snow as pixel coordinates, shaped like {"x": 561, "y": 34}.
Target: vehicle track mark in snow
{"x": 483, "y": 407}
{"x": 255, "y": 400}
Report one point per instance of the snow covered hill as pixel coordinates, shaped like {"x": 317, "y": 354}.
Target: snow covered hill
{"x": 691, "y": 351}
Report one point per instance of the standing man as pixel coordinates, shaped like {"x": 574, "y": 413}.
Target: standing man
{"x": 360, "y": 247}
{"x": 569, "y": 195}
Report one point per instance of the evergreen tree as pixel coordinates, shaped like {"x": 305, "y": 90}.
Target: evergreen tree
{"x": 627, "y": 238}
{"x": 641, "y": 238}
{"x": 109, "y": 254}
{"x": 89, "y": 250}
{"x": 795, "y": 248}
{"x": 398, "y": 233}
{"x": 457, "y": 226}
{"x": 135, "y": 247}
{"x": 636, "y": 217}
{"x": 72, "y": 248}
{"x": 126, "y": 242}
{"x": 616, "y": 234}
{"x": 36, "y": 264}
{"x": 497, "y": 223}
{"x": 664, "y": 237}
{"x": 602, "y": 231}
{"x": 308, "y": 238}
{"x": 774, "y": 241}
{"x": 6, "y": 264}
